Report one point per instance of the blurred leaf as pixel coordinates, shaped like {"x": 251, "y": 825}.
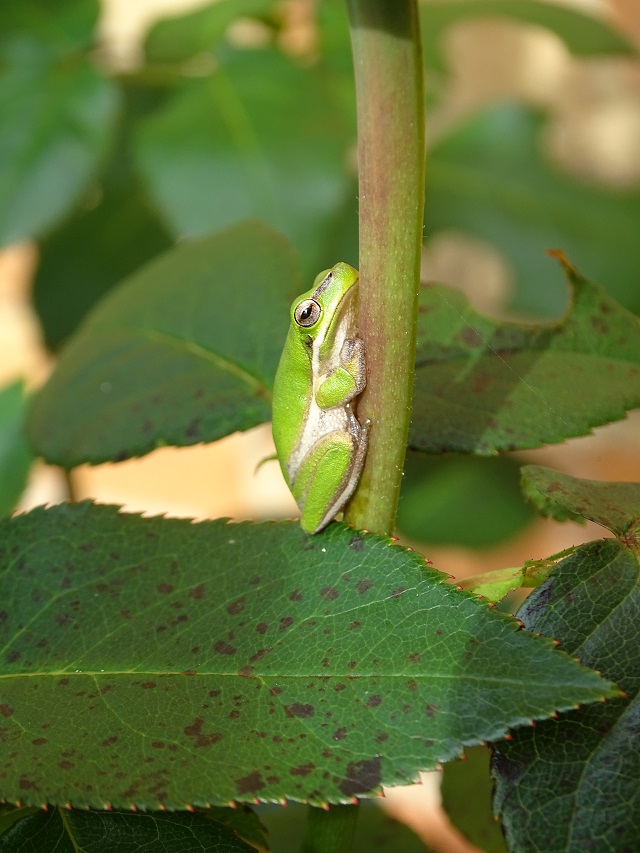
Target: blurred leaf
{"x": 615, "y": 506}
{"x": 181, "y": 37}
{"x": 376, "y": 830}
{"x": 485, "y": 385}
{"x": 583, "y": 34}
{"x": 490, "y": 178}
{"x": 106, "y": 239}
{"x": 171, "y": 663}
{"x": 119, "y": 832}
{"x": 571, "y": 784}
{"x": 263, "y": 137}
{"x": 466, "y": 798}
{"x": 242, "y": 819}
{"x": 53, "y": 27}
{"x": 462, "y": 500}
{"x": 56, "y": 125}
{"x": 182, "y": 352}
{"x": 15, "y": 458}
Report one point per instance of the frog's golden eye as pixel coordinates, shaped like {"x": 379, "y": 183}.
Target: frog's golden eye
{"x": 307, "y": 313}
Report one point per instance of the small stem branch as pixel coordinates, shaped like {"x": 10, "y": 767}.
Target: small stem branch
{"x": 330, "y": 831}
{"x": 387, "y": 57}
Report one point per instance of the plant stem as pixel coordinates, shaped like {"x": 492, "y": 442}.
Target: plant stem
{"x": 385, "y": 36}
{"x": 330, "y": 831}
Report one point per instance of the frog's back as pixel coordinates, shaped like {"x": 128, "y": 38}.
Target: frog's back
{"x": 292, "y": 390}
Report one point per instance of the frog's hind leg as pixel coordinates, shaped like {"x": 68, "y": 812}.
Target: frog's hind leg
{"x": 322, "y": 478}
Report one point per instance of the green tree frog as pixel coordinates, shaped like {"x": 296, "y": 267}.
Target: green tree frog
{"x": 320, "y": 443}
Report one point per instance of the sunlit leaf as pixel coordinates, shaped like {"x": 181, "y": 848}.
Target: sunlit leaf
{"x": 615, "y": 506}
{"x": 262, "y": 137}
{"x": 484, "y": 385}
{"x": 182, "y": 352}
{"x": 156, "y": 662}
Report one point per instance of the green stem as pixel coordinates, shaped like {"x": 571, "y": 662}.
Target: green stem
{"x": 385, "y": 36}
{"x": 330, "y": 831}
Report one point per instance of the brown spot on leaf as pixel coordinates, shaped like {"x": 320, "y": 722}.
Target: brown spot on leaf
{"x": 362, "y": 776}
{"x": 224, "y": 648}
{"x": 285, "y": 622}
{"x": 363, "y": 585}
{"x": 415, "y": 657}
{"x": 165, "y": 588}
{"x": 148, "y": 685}
{"x": 7, "y": 710}
{"x": 250, "y": 784}
{"x": 261, "y": 653}
{"x": 340, "y": 734}
{"x": 382, "y": 736}
{"x": 303, "y": 769}
{"x": 109, "y": 741}
{"x": 39, "y": 741}
{"x": 354, "y": 625}
{"x": 298, "y": 709}
{"x": 236, "y": 606}
{"x": 373, "y": 701}
{"x": 296, "y": 595}
{"x": 200, "y": 739}
{"x": 329, "y": 593}
{"x": 13, "y": 656}
{"x": 262, "y": 627}
{"x": 197, "y": 593}
{"x": 431, "y": 710}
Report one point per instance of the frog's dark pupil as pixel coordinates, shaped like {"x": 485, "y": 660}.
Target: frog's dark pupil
{"x": 305, "y": 313}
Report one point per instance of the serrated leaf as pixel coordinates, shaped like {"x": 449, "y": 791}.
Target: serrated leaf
{"x": 182, "y": 352}
{"x": 181, "y": 37}
{"x": 262, "y": 137}
{"x": 615, "y": 506}
{"x": 466, "y": 798}
{"x": 571, "y": 783}
{"x": 489, "y": 178}
{"x": 155, "y": 662}
{"x": 483, "y": 385}
{"x": 56, "y": 123}
{"x": 119, "y": 832}
{"x": 15, "y": 456}
{"x": 583, "y": 34}
{"x": 494, "y": 585}
{"x": 461, "y": 500}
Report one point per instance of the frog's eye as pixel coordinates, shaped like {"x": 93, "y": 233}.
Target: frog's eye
{"x": 307, "y": 313}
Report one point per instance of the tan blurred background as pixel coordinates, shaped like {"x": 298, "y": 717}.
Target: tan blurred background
{"x": 595, "y": 131}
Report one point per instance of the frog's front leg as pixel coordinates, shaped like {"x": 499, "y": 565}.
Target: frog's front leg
{"x": 347, "y": 380}
{"x": 329, "y": 473}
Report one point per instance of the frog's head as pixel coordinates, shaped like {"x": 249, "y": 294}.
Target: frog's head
{"x": 315, "y": 312}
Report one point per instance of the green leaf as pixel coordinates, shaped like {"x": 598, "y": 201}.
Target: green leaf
{"x": 106, "y": 239}
{"x": 15, "y": 457}
{"x": 119, "y": 832}
{"x": 156, "y": 662}
{"x": 461, "y": 500}
{"x": 466, "y": 798}
{"x": 572, "y": 783}
{"x": 53, "y": 27}
{"x": 56, "y": 124}
{"x": 490, "y": 179}
{"x": 181, "y": 37}
{"x": 583, "y": 34}
{"x": 262, "y": 137}
{"x": 376, "y": 830}
{"x": 484, "y": 385}
{"x": 494, "y": 585}
{"x": 182, "y": 352}
{"x": 615, "y": 506}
